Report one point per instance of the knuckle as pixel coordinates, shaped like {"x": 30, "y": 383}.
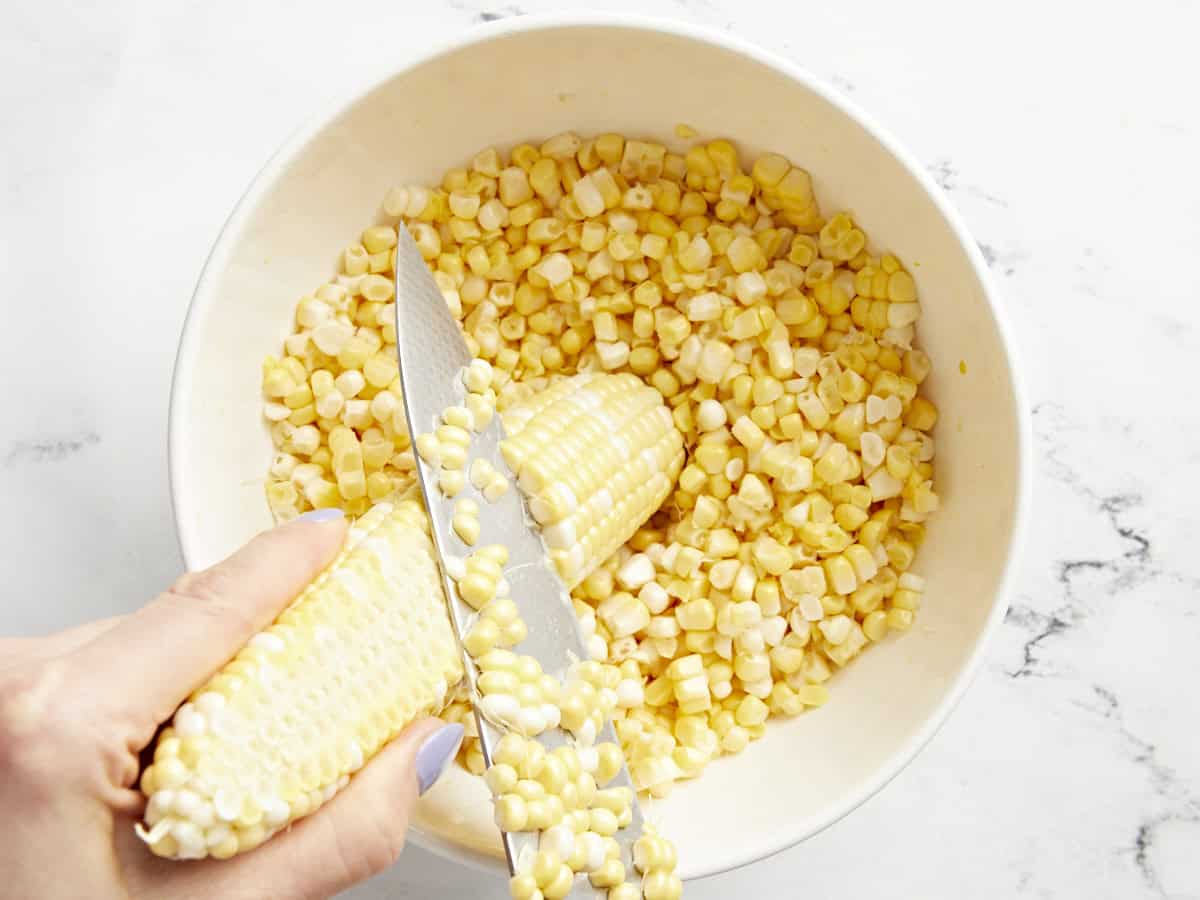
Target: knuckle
{"x": 51, "y": 735}
{"x": 388, "y": 843}
{"x": 34, "y": 730}
{"x": 206, "y": 586}
{"x": 391, "y": 846}
{"x": 209, "y": 593}
{"x": 361, "y": 858}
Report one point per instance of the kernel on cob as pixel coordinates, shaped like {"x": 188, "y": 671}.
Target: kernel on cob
{"x": 368, "y": 646}
{"x": 365, "y": 649}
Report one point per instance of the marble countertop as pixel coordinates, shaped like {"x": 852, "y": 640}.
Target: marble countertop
{"x": 1071, "y": 768}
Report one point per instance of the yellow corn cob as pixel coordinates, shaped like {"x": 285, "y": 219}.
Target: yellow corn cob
{"x": 596, "y": 455}
{"x": 282, "y": 727}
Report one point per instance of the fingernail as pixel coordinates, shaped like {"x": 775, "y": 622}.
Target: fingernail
{"x": 436, "y": 754}
{"x": 321, "y": 515}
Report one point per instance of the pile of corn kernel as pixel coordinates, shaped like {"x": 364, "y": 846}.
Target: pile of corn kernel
{"x": 784, "y": 347}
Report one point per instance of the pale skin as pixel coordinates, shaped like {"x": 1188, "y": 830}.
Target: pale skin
{"x": 77, "y": 708}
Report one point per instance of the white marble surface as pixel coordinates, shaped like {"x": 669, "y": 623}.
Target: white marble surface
{"x": 1066, "y": 133}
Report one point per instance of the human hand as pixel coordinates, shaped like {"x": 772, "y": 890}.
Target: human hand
{"x": 77, "y": 708}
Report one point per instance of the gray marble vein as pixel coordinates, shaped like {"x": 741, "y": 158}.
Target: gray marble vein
{"x": 38, "y": 451}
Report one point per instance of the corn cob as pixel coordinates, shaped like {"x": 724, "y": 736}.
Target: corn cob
{"x": 596, "y": 455}
{"x": 284, "y": 725}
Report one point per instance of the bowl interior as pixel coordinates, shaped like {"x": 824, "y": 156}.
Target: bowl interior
{"x": 317, "y": 195}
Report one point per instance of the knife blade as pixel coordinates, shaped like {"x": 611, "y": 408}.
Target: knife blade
{"x": 432, "y": 354}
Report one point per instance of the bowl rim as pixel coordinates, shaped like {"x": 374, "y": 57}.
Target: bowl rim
{"x": 178, "y": 435}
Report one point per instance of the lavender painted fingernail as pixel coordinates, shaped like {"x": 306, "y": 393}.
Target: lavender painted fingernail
{"x": 321, "y": 515}
{"x": 436, "y": 755}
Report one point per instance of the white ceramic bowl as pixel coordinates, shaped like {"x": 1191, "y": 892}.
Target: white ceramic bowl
{"x": 530, "y": 78}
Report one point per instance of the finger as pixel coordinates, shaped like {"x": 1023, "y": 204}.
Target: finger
{"x": 23, "y": 650}
{"x": 359, "y": 833}
{"x": 167, "y": 649}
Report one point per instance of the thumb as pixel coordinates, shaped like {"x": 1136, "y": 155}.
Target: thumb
{"x": 361, "y": 831}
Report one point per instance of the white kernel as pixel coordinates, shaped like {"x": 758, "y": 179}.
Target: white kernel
{"x": 810, "y": 607}
{"x": 637, "y": 571}
{"x": 710, "y": 415}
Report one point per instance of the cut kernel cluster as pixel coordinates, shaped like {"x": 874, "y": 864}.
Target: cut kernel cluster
{"x": 499, "y": 624}
{"x": 365, "y": 649}
{"x": 465, "y": 521}
{"x": 562, "y": 794}
{"x": 446, "y": 447}
{"x": 486, "y": 479}
{"x": 655, "y": 858}
{"x": 480, "y": 577}
{"x": 515, "y": 694}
